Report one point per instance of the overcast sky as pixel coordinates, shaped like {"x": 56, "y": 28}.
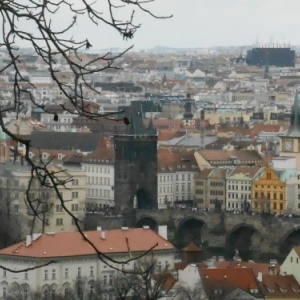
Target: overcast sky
{"x": 203, "y": 23}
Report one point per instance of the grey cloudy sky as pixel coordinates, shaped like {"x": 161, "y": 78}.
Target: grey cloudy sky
{"x": 203, "y": 23}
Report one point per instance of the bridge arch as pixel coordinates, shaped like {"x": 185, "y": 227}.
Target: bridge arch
{"x": 243, "y": 236}
{"x": 290, "y": 240}
{"x": 191, "y": 229}
{"x": 146, "y": 220}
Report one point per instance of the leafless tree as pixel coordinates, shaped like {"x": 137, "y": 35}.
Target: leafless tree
{"x": 10, "y": 221}
{"x": 33, "y": 22}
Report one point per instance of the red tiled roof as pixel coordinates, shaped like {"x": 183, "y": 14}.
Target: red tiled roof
{"x": 256, "y": 267}
{"x": 227, "y": 280}
{"x": 280, "y": 287}
{"x": 170, "y": 161}
{"x": 66, "y": 244}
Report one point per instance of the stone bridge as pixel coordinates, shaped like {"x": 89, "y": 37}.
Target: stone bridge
{"x": 268, "y": 234}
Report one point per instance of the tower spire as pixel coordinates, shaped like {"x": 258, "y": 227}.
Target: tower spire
{"x": 295, "y": 112}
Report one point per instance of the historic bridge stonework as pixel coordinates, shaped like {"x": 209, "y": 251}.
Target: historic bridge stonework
{"x": 233, "y": 231}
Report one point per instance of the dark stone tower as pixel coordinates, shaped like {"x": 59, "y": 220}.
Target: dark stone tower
{"x": 136, "y": 163}
{"x": 187, "y": 114}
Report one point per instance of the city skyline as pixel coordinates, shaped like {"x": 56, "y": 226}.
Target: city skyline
{"x": 198, "y": 24}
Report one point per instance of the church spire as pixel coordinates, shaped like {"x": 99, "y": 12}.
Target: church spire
{"x": 187, "y": 114}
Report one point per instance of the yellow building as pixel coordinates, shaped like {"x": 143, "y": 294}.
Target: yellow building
{"x": 268, "y": 193}
{"x": 51, "y": 215}
{"x": 226, "y": 117}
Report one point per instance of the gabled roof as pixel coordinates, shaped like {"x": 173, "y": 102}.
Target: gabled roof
{"x": 280, "y": 287}
{"x": 168, "y": 161}
{"x": 227, "y": 280}
{"x": 67, "y": 244}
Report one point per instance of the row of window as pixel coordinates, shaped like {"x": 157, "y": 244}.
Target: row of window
{"x": 98, "y": 180}
{"x": 98, "y": 193}
{"x": 238, "y": 196}
{"x": 182, "y": 177}
{"x": 216, "y": 183}
{"x": 267, "y": 206}
{"x": 268, "y": 195}
{"x": 183, "y": 187}
{"x": 166, "y": 189}
{"x": 246, "y": 188}
{"x": 74, "y": 207}
{"x": 216, "y": 193}
{"x": 96, "y": 169}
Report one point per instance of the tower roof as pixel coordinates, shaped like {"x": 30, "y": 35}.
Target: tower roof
{"x": 136, "y": 117}
{"x": 294, "y": 130}
{"x": 187, "y": 114}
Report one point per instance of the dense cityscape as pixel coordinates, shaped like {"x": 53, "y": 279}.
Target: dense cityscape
{"x": 191, "y": 176}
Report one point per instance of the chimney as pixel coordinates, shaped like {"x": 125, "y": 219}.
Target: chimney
{"x": 259, "y": 276}
{"x": 272, "y": 270}
{"x": 163, "y": 231}
{"x": 28, "y": 240}
{"x": 103, "y": 237}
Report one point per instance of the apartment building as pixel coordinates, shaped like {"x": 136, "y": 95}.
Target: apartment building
{"x": 238, "y": 187}
{"x": 100, "y": 176}
{"x": 175, "y": 174}
{"x": 210, "y": 188}
{"x": 268, "y": 193}
{"x": 15, "y": 180}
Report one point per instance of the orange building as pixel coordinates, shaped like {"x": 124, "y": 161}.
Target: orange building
{"x": 268, "y": 193}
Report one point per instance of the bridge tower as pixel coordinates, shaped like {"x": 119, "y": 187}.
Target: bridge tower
{"x": 136, "y": 163}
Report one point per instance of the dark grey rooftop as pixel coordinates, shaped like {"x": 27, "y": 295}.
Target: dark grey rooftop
{"x": 85, "y": 142}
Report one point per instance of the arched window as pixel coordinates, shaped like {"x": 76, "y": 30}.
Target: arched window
{"x": 281, "y": 196}
{"x": 262, "y": 195}
{"x": 275, "y": 196}
{"x": 256, "y": 195}
{"x": 268, "y": 196}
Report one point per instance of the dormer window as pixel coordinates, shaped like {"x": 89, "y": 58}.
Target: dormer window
{"x": 283, "y": 290}
{"x": 295, "y": 290}
{"x": 217, "y": 291}
{"x": 253, "y": 291}
{"x": 270, "y": 290}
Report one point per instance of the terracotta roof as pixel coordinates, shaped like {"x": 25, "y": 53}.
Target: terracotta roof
{"x": 280, "y": 287}
{"x": 54, "y": 245}
{"x": 168, "y": 161}
{"x": 256, "y": 267}
{"x": 191, "y": 248}
{"x": 227, "y": 280}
